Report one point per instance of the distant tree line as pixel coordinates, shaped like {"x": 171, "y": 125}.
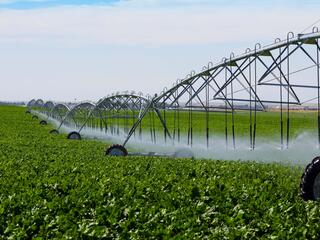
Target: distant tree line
{"x": 12, "y": 103}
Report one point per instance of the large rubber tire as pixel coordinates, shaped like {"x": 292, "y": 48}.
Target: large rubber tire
{"x": 54, "y": 131}
{"x": 117, "y": 150}
{"x": 43, "y": 122}
{"x": 74, "y": 136}
{"x": 34, "y": 117}
{"x": 28, "y": 112}
{"x": 310, "y": 181}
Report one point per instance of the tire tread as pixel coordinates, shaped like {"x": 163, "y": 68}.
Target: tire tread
{"x": 307, "y": 179}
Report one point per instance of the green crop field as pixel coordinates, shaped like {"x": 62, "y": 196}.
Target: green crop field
{"x": 55, "y": 188}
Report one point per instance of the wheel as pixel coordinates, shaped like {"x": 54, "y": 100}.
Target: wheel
{"x": 183, "y": 153}
{"x": 34, "y": 117}
{"x": 117, "y": 150}
{"x": 43, "y": 122}
{"x": 74, "y": 136}
{"x": 28, "y": 111}
{"x": 54, "y": 131}
{"x": 310, "y": 181}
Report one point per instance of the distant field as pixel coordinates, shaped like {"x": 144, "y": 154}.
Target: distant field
{"x": 267, "y": 123}
{"x": 54, "y": 188}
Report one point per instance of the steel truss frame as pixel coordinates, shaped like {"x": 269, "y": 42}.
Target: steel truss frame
{"x": 251, "y": 71}
{"x": 235, "y": 84}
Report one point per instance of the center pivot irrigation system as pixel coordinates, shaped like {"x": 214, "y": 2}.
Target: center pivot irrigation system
{"x": 203, "y": 106}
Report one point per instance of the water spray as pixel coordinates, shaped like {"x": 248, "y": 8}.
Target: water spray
{"x": 201, "y": 112}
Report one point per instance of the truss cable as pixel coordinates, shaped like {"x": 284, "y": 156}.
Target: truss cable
{"x": 132, "y": 116}
{"x": 232, "y": 114}
{"x": 126, "y": 118}
{"x": 125, "y": 112}
{"x": 101, "y": 123}
{"x": 312, "y": 25}
{"x": 250, "y": 104}
{"x": 281, "y": 101}
{"x": 255, "y": 102}
{"x": 164, "y": 119}
{"x": 150, "y": 126}
{"x": 110, "y": 122}
{"x": 207, "y": 114}
{"x": 190, "y": 118}
{"x": 94, "y": 120}
{"x": 108, "y": 125}
{"x": 191, "y": 123}
{"x": 226, "y": 109}
{"x": 175, "y": 118}
{"x": 154, "y": 128}
{"x": 277, "y": 78}
{"x": 288, "y": 96}
{"x": 113, "y": 122}
{"x": 106, "y": 122}
{"x": 101, "y": 118}
{"x": 178, "y": 113}
{"x": 134, "y": 112}
{"x": 309, "y": 100}
{"x": 118, "y": 124}
{"x": 174, "y": 124}
{"x": 140, "y": 124}
{"x": 188, "y": 126}
{"x": 318, "y": 83}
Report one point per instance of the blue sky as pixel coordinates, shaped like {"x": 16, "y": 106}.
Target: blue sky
{"x": 31, "y": 4}
{"x": 88, "y": 49}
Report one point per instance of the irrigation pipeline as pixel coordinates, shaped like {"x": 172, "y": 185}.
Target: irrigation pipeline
{"x": 199, "y": 110}
{"x": 264, "y": 78}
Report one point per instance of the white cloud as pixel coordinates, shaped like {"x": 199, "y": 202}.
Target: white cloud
{"x": 87, "y": 52}
{"x": 126, "y": 26}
